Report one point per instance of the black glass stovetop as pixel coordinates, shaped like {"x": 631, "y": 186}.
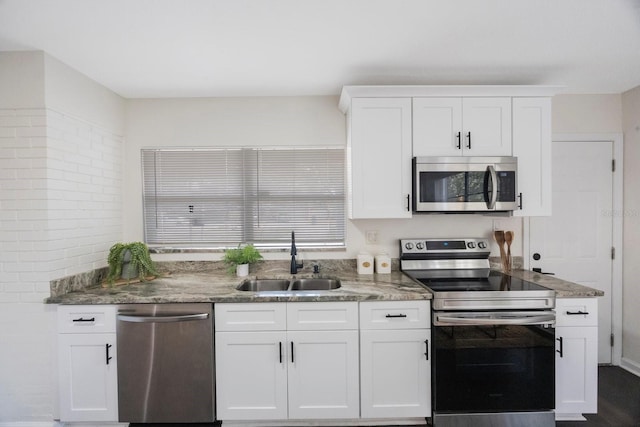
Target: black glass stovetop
{"x": 493, "y": 281}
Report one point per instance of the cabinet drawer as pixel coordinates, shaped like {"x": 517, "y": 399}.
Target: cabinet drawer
{"x": 394, "y": 315}
{"x": 310, "y": 316}
{"x": 86, "y": 319}
{"x": 576, "y": 312}
{"x": 251, "y": 317}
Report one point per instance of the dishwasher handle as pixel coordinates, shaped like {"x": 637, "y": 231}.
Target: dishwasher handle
{"x": 163, "y": 319}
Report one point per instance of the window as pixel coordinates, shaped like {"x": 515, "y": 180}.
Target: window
{"x": 223, "y": 197}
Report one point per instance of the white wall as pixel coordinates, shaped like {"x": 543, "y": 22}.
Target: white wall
{"x": 587, "y": 113}
{"x": 279, "y": 121}
{"x": 60, "y": 210}
{"x": 631, "y": 268}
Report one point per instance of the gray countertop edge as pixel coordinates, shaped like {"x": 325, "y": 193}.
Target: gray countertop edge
{"x": 186, "y": 287}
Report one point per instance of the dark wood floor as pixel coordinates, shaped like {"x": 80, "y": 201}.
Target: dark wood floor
{"x": 618, "y": 400}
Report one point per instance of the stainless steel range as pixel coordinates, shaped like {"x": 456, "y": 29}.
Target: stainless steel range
{"x": 493, "y": 335}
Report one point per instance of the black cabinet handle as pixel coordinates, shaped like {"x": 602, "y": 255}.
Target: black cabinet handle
{"x": 520, "y": 201}
{"x": 539, "y": 270}
{"x": 291, "y": 351}
{"x": 395, "y": 315}
{"x": 106, "y": 348}
{"x": 469, "y": 139}
{"x": 575, "y": 313}
{"x": 561, "y": 349}
{"x": 408, "y": 202}
{"x": 459, "y": 138}
{"x": 82, "y": 319}
{"x": 426, "y": 354}
{"x": 280, "y": 348}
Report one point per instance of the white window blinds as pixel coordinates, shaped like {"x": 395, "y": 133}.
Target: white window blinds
{"x": 222, "y": 197}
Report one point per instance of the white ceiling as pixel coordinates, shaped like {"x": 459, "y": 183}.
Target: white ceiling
{"x": 183, "y": 48}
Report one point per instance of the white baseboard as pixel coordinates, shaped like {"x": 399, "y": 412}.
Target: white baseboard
{"x": 328, "y": 423}
{"x": 30, "y": 424}
{"x": 570, "y": 417}
{"x": 631, "y": 366}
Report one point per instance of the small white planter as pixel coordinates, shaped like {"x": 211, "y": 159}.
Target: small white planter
{"x": 242, "y": 270}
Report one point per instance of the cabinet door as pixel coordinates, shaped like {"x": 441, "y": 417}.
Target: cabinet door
{"x": 323, "y": 374}
{"x": 251, "y": 375}
{"x": 437, "y": 127}
{"x": 486, "y": 126}
{"x": 88, "y": 377}
{"x": 532, "y": 147}
{"x": 395, "y": 373}
{"x": 577, "y": 370}
{"x": 379, "y": 158}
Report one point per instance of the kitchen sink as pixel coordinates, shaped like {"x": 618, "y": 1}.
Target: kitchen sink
{"x": 279, "y": 285}
{"x": 262, "y": 285}
{"x": 314, "y": 284}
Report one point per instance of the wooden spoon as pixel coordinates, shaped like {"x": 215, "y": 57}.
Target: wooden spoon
{"x": 508, "y": 237}
{"x": 499, "y": 236}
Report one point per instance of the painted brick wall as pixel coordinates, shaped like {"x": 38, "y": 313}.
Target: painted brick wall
{"x": 60, "y": 211}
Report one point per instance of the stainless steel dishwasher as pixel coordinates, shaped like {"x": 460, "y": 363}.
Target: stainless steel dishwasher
{"x": 165, "y": 363}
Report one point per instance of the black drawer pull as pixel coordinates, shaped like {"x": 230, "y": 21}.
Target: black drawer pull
{"x": 390, "y": 316}
{"x": 82, "y": 319}
{"x": 292, "y": 352}
{"x": 280, "y": 345}
{"x": 575, "y": 313}
{"x": 426, "y": 354}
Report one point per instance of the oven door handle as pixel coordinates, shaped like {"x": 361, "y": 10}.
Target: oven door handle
{"x": 453, "y": 320}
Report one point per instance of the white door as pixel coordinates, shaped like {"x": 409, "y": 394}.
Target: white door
{"x": 575, "y": 243}
{"x": 395, "y": 373}
{"x": 323, "y": 374}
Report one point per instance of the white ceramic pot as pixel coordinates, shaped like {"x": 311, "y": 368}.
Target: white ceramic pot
{"x": 242, "y": 270}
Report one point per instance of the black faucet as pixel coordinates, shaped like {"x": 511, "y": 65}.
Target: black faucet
{"x": 294, "y": 265}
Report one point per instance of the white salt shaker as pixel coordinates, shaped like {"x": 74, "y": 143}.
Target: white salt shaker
{"x": 383, "y": 264}
{"x": 365, "y": 264}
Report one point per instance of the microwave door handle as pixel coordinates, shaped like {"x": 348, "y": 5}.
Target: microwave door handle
{"x": 494, "y": 187}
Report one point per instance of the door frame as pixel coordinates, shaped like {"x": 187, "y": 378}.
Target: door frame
{"x": 617, "y": 215}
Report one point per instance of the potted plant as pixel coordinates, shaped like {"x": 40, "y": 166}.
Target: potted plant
{"x": 130, "y": 260}
{"x": 238, "y": 259}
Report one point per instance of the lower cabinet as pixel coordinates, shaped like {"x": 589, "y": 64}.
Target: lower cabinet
{"x": 576, "y": 357}
{"x": 87, "y": 364}
{"x": 287, "y": 361}
{"x": 395, "y": 356}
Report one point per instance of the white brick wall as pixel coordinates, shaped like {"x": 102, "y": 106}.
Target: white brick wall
{"x": 60, "y": 211}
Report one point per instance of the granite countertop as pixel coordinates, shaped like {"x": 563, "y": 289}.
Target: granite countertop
{"x": 563, "y": 288}
{"x": 198, "y": 282}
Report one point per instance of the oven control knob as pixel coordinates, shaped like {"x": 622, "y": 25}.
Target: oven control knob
{"x": 420, "y": 245}
{"x": 482, "y": 245}
{"x": 471, "y": 245}
{"x": 408, "y": 246}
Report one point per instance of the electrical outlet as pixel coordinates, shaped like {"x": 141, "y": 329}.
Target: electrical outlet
{"x": 497, "y": 225}
{"x": 371, "y": 237}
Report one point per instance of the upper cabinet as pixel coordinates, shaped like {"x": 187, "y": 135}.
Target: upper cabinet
{"x": 388, "y": 125}
{"x": 379, "y": 158}
{"x": 456, "y": 126}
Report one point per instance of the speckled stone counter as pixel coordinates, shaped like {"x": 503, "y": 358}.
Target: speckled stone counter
{"x": 563, "y": 288}
{"x": 208, "y": 282}
{"x": 212, "y": 287}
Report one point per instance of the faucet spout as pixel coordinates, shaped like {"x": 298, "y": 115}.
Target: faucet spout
{"x": 294, "y": 251}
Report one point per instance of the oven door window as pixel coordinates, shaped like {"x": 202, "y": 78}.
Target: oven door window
{"x": 494, "y": 368}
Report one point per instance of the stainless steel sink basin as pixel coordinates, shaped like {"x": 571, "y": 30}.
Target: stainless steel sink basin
{"x": 314, "y": 284}
{"x": 279, "y": 285}
{"x": 261, "y": 285}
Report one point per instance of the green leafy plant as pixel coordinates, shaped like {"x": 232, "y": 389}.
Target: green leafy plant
{"x": 137, "y": 254}
{"x": 240, "y": 255}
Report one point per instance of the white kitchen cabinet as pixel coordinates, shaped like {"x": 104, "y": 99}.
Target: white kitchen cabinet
{"x": 532, "y": 147}
{"x": 395, "y": 359}
{"x": 379, "y": 158}
{"x": 304, "y": 369}
{"x": 87, "y": 363}
{"x": 576, "y": 357}
{"x": 467, "y": 126}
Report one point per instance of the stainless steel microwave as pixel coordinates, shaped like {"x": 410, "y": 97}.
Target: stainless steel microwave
{"x": 465, "y": 184}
